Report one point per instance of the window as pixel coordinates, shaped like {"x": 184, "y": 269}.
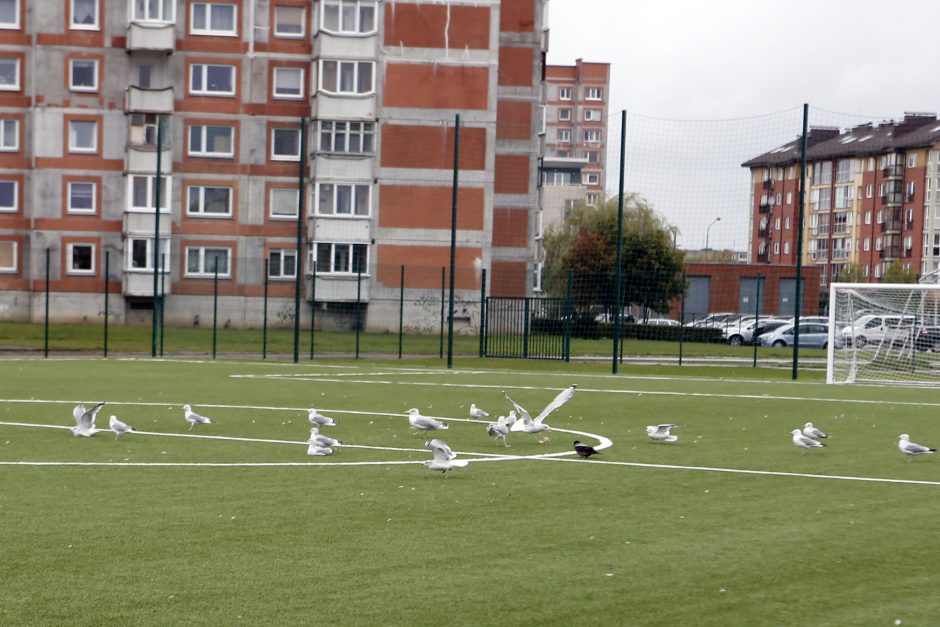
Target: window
{"x": 868, "y": 190}
{"x": 289, "y": 22}
{"x": 8, "y": 257}
{"x": 564, "y": 93}
{"x": 285, "y": 144}
{"x": 786, "y": 223}
{"x": 786, "y": 248}
{"x": 213, "y": 19}
{"x": 346, "y": 77}
{"x": 154, "y": 10}
{"x": 9, "y": 13}
{"x": 282, "y": 264}
{"x": 211, "y": 141}
{"x": 83, "y": 74}
{"x": 822, "y": 173}
{"x": 289, "y": 83}
{"x": 777, "y": 223}
{"x": 590, "y": 200}
{"x": 283, "y": 202}
{"x": 343, "y": 199}
{"x": 564, "y": 115}
{"x": 80, "y": 258}
{"x": 342, "y": 258}
{"x": 912, "y": 161}
{"x": 9, "y": 74}
{"x": 9, "y": 198}
{"x": 592, "y": 93}
{"x": 592, "y": 115}
{"x": 142, "y": 190}
{"x": 776, "y": 248}
{"x": 867, "y": 244}
{"x": 9, "y": 135}
{"x": 592, "y": 137}
{"x": 564, "y": 136}
{"x": 143, "y": 130}
{"x": 209, "y": 201}
{"x": 845, "y": 170}
{"x": 204, "y": 261}
{"x": 593, "y": 156}
{"x": 139, "y": 253}
{"x": 81, "y": 197}
{"x": 591, "y": 178}
{"x": 212, "y": 80}
{"x": 144, "y": 75}
{"x": 868, "y": 217}
{"x": 348, "y": 16}
{"x": 789, "y": 198}
{"x": 83, "y": 136}
{"x": 84, "y": 14}
{"x": 347, "y": 137}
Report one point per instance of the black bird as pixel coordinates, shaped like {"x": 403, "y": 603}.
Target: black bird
{"x": 583, "y": 450}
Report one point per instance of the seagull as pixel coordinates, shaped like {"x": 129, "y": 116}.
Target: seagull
{"x": 118, "y": 427}
{"x": 804, "y": 442}
{"x": 316, "y": 449}
{"x": 812, "y": 432}
{"x": 476, "y": 412}
{"x": 444, "y": 458}
{"x": 499, "y": 429}
{"x": 319, "y": 420}
{"x": 321, "y": 440}
{"x": 536, "y": 425}
{"x": 660, "y": 433}
{"x": 910, "y": 449}
{"x": 194, "y": 418}
{"x": 583, "y": 450}
{"x": 511, "y": 418}
{"x": 85, "y": 420}
{"x": 424, "y": 423}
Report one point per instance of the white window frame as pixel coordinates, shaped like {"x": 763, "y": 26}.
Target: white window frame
{"x": 564, "y": 136}
{"x": 364, "y": 131}
{"x": 564, "y": 114}
{"x": 786, "y": 248}
{"x": 202, "y": 89}
{"x": 151, "y": 187}
{"x": 16, "y": 196}
{"x": 275, "y": 156}
{"x": 96, "y": 25}
{"x": 590, "y": 200}
{"x": 281, "y": 216}
{"x": 9, "y": 135}
{"x": 354, "y": 190}
{"x": 590, "y": 178}
{"x": 166, "y": 9}
{"x": 15, "y": 24}
{"x": 70, "y": 208}
{"x": 200, "y": 132}
{"x": 592, "y": 136}
{"x": 592, "y": 115}
{"x": 207, "y": 273}
{"x": 333, "y": 253}
{"x": 16, "y": 257}
{"x": 15, "y": 86}
{"x": 347, "y": 65}
{"x": 287, "y": 34}
{"x": 593, "y": 93}
{"x": 281, "y": 71}
{"x": 282, "y": 253}
{"x": 233, "y": 32}
{"x": 564, "y": 93}
{"x": 84, "y": 150}
{"x": 197, "y": 193}
{"x": 86, "y": 88}
{"x": 70, "y": 259}
{"x": 148, "y": 254}
{"x": 357, "y": 13}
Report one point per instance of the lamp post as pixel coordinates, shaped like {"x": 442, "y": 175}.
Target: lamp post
{"x": 715, "y": 221}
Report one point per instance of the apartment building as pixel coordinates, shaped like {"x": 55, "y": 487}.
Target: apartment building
{"x": 254, "y": 113}
{"x": 870, "y": 199}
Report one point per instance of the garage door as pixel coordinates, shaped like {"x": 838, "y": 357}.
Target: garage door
{"x": 697, "y": 298}
{"x": 750, "y": 289}
{"x": 786, "y": 303}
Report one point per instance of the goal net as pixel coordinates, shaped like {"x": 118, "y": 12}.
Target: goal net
{"x": 890, "y": 333}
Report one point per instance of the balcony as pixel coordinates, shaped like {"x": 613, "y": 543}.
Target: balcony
{"x": 893, "y": 171}
{"x": 140, "y": 283}
{"x": 820, "y": 255}
{"x": 142, "y": 100}
{"x": 840, "y": 229}
{"x": 151, "y": 37}
{"x": 763, "y": 258}
{"x": 340, "y": 288}
{"x": 763, "y": 232}
{"x": 820, "y": 231}
{"x": 764, "y": 207}
{"x": 894, "y": 198}
{"x": 143, "y": 158}
{"x": 768, "y": 185}
{"x": 840, "y": 254}
{"x": 142, "y": 222}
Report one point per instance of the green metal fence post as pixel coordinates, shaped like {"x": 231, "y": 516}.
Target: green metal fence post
{"x": 682, "y": 318}
{"x": 401, "y": 310}
{"x": 760, "y": 281}
{"x": 443, "y": 272}
{"x": 525, "y": 329}
{"x": 107, "y": 272}
{"x": 215, "y": 306}
{"x": 617, "y": 295}
{"x": 162, "y": 300}
{"x": 313, "y": 304}
{"x": 358, "y": 309}
{"x": 483, "y": 313}
{"x": 301, "y": 179}
{"x": 46, "y": 323}
{"x": 799, "y": 244}
{"x": 569, "y": 314}
{"x": 264, "y": 315}
{"x": 453, "y": 244}
{"x": 157, "y": 199}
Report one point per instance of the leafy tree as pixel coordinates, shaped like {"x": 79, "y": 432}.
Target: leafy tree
{"x": 586, "y": 244}
{"x": 896, "y": 273}
{"x": 852, "y": 273}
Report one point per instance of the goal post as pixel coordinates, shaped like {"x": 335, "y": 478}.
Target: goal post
{"x": 890, "y": 333}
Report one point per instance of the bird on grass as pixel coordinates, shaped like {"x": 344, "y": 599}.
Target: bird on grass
{"x": 315, "y": 449}
{"x": 537, "y": 424}
{"x": 319, "y": 420}
{"x": 118, "y": 427}
{"x": 499, "y": 430}
{"x": 322, "y": 440}
{"x": 195, "y": 419}
{"x": 660, "y": 433}
{"x": 424, "y": 423}
{"x": 804, "y": 442}
{"x": 583, "y": 450}
{"x": 812, "y": 432}
{"x": 444, "y": 457}
{"x": 85, "y": 420}
{"x": 476, "y": 412}
{"x": 910, "y": 449}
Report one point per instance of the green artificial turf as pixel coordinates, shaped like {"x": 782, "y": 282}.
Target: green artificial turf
{"x": 510, "y": 542}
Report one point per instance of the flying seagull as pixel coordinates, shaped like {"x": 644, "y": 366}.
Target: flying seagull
{"x": 319, "y": 420}
{"x": 804, "y": 442}
{"x": 499, "y": 429}
{"x": 321, "y": 440}
{"x": 424, "y": 423}
{"x": 812, "y": 432}
{"x": 316, "y": 449}
{"x": 537, "y": 424}
{"x": 85, "y": 420}
{"x": 118, "y": 427}
{"x": 195, "y": 419}
{"x": 476, "y": 412}
{"x": 910, "y": 449}
{"x": 444, "y": 458}
{"x": 583, "y": 450}
{"x": 660, "y": 433}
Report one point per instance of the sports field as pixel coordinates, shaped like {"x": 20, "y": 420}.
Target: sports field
{"x": 731, "y": 525}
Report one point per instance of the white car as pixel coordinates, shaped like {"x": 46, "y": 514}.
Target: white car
{"x": 744, "y": 334}
{"x": 661, "y": 322}
{"x": 873, "y": 328}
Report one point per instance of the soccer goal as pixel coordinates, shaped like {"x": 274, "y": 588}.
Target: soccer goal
{"x": 890, "y": 333}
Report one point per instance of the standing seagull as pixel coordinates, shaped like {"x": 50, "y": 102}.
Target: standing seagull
{"x": 812, "y": 432}
{"x": 195, "y": 419}
{"x": 476, "y": 412}
{"x": 85, "y": 420}
{"x": 583, "y": 450}
{"x": 910, "y": 449}
{"x": 119, "y": 427}
{"x": 321, "y": 440}
{"x": 499, "y": 429}
{"x": 444, "y": 458}
{"x": 319, "y": 420}
{"x": 536, "y": 425}
{"x": 660, "y": 433}
{"x": 424, "y": 423}
{"x": 804, "y": 442}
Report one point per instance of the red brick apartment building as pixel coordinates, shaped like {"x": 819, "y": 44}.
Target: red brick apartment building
{"x": 89, "y": 90}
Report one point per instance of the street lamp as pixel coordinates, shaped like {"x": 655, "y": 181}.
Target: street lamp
{"x": 716, "y": 220}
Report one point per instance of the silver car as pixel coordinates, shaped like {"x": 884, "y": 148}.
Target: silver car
{"x": 812, "y": 335}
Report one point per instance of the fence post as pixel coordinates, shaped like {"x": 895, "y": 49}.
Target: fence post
{"x": 215, "y": 305}
{"x": 46, "y": 325}
{"x": 443, "y": 271}
{"x": 358, "y": 308}
{"x": 525, "y": 329}
{"x": 569, "y": 313}
{"x": 401, "y": 309}
{"x": 162, "y": 300}
{"x": 107, "y": 272}
{"x": 760, "y": 281}
{"x": 313, "y": 303}
{"x": 483, "y": 313}
{"x": 682, "y": 318}
{"x": 264, "y": 315}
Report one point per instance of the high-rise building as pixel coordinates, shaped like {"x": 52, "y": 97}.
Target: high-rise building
{"x": 242, "y": 104}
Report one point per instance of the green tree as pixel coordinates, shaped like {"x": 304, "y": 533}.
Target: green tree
{"x": 586, "y": 244}
{"x": 852, "y": 273}
{"x": 896, "y": 273}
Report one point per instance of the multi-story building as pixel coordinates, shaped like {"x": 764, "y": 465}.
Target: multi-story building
{"x": 343, "y": 110}
{"x": 871, "y": 199}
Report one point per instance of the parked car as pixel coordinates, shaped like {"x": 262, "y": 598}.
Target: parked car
{"x": 751, "y": 329}
{"x": 711, "y": 320}
{"x": 661, "y": 322}
{"x": 876, "y": 327}
{"x": 927, "y": 339}
{"x": 625, "y": 318}
{"x": 812, "y": 335}
{"x": 818, "y": 319}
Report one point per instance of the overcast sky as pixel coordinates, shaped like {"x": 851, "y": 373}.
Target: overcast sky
{"x": 689, "y": 60}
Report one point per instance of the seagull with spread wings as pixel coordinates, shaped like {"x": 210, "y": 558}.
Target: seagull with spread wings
{"x": 85, "y": 420}
{"x": 537, "y": 424}
{"x": 499, "y": 429}
{"x": 660, "y": 433}
{"x": 444, "y": 457}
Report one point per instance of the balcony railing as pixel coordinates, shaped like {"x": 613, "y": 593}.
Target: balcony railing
{"x": 764, "y": 207}
{"x": 768, "y": 184}
{"x": 894, "y": 171}
{"x": 820, "y": 255}
{"x": 840, "y": 229}
{"x": 820, "y": 231}
{"x": 141, "y": 100}
{"x": 840, "y": 254}
{"x": 151, "y": 36}
{"x": 763, "y": 258}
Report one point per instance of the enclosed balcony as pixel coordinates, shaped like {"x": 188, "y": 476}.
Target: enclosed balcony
{"x": 146, "y": 36}
{"x": 144, "y": 100}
